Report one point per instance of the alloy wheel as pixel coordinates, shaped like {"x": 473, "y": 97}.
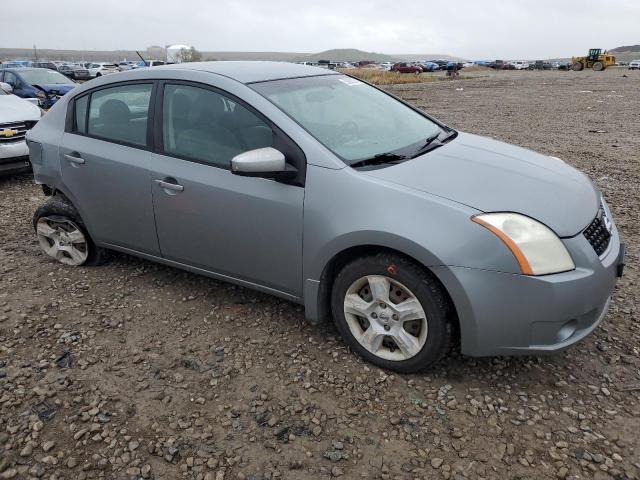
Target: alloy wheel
{"x": 385, "y": 317}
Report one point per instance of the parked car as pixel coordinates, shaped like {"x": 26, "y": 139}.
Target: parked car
{"x": 520, "y": 65}
{"x": 4, "y": 65}
{"x": 44, "y": 64}
{"x": 540, "y": 65}
{"x": 385, "y": 66}
{"x": 74, "y": 72}
{"x": 430, "y": 66}
{"x": 285, "y": 178}
{"x": 149, "y": 63}
{"x": 406, "y": 68}
{"x": 17, "y": 116}
{"x": 101, "y": 68}
{"x": 41, "y": 83}
{"x": 126, "y": 65}
{"x": 634, "y": 65}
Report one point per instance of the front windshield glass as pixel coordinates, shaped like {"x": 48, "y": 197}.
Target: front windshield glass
{"x": 351, "y": 118}
{"x": 44, "y": 77}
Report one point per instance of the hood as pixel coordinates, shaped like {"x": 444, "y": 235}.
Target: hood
{"x": 493, "y": 176}
{"x": 57, "y": 87}
{"x": 15, "y": 109}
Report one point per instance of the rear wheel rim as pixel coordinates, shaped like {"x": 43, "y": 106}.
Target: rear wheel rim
{"x": 385, "y": 318}
{"x": 63, "y": 240}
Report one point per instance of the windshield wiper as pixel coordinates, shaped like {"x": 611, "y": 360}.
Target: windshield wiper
{"x": 426, "y": 146}
{"x": 379, "y": 159}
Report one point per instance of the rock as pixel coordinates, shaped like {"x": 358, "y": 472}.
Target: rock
{"x": 333, "y": 455}
{"x": 436, "y": 462}
{"x": 27, "y": 450}
{"x": 336, "y": 471}
{"x": 48, "y": 445}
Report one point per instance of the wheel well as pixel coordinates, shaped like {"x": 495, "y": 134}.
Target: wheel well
{"x": 342, "y": 258}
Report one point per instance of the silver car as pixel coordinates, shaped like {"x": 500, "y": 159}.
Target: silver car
{"x": 321, "y": 189}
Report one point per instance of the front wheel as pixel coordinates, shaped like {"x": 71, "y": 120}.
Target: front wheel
{"x": 577, "y": 66}
{"x": 392, "y": 313}
{"x": 598, "y": 66}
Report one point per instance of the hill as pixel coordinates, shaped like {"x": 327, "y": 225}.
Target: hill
{"x": 627, "y": 48}
{"x": 345, "y": 55}
{"x": 626, "y": 53}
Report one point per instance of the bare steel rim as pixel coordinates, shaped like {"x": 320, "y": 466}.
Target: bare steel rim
{"x": 63, "y": 240}
{"x": 385, "y": 317}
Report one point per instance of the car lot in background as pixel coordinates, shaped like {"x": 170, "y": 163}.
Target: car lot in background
{"x": 41, "y": 83}
{"x": 17, "y": 116}
{"x": 634, "y": 65}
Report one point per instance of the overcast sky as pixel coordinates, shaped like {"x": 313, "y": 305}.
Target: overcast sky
{"x": 473, "y": 29}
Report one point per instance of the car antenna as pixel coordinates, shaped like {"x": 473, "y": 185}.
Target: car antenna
{"x": 142, "y": 58}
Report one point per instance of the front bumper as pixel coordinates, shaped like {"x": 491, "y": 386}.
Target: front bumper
{"x": 508, "y": 314}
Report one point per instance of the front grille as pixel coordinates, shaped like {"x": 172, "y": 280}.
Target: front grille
{"x": 7, "y": 129}
{"x": 598, "y": 234}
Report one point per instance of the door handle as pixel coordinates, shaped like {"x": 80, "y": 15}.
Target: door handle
{"x": 78, "y": 160}
{"x": 169, "y": 186}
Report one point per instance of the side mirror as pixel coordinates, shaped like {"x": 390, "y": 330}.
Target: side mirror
{"x": 262, "y": 162}
{"x": 6, "y": 87}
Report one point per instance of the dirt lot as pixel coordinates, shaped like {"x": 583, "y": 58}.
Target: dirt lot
{"x": 173, "y": 375}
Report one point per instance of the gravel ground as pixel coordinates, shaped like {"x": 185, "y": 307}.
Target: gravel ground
{"x": 134, "y": 370}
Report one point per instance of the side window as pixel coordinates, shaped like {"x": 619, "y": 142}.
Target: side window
{"x": 80, "y": 114}
{"x": 11, "y": 78}
{"x": 120, "y": 113}
{"x": 203, "y": 125}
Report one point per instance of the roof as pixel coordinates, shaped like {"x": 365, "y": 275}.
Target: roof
{"x": 249, "y": 72}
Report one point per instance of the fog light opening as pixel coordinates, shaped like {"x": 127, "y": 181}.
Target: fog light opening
{"x": 566, "y": 331}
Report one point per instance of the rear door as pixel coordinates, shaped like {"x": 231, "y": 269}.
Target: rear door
{"x": 245, "y": 228}
{"x": 104, "y": 159}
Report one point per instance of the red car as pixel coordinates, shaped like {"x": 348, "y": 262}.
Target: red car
{"x": 406, "y": 68}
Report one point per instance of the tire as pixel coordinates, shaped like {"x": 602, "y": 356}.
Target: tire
{"x": 59, "y": 210}
{"x": 576, "y": 67}
{"x": 598, "y": 66}
{"x": 431, "y": 340}
{"x": 98, "y": 74}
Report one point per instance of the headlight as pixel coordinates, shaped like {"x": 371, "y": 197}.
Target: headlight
{"x": 535, "y": 247}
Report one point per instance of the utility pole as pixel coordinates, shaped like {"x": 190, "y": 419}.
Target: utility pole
{"x": 35, "y": 52}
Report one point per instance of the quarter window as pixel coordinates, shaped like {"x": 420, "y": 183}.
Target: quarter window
{"x": 120, "y": 113}
{"x": 80, "y": 114}
{"x": 206, "y": 126}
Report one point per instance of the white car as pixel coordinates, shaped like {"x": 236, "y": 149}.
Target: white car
{"x": 385, "y": 66}
{"x": 17, "y": 115}
{"x": 101, "y": 68}
{"x": 634, "y": 65}
{"x": 520, "y": 65}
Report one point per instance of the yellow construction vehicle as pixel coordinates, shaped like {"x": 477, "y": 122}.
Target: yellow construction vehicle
{"x": 596, "y": 60}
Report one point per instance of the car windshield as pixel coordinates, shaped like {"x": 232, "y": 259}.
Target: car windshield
{"x": 43, "y": 77}
{"x": 354, "y": 120}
